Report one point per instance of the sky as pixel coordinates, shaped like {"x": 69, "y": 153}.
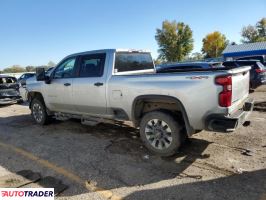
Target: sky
{"x": 36, "y": 32}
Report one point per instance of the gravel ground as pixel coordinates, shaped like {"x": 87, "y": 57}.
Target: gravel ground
{"x": 115, "y": 165}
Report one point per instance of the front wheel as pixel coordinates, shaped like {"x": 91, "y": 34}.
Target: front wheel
{"x": 161, "y": 133}
{"x": 38, "y": 112}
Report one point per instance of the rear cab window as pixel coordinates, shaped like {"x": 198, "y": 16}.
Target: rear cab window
{"x": 133, "y": 62}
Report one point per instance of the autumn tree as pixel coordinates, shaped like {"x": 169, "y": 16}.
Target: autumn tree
{"x": 255, "y": 33}
{"x": 214, "y": 44}
{"x": 175, "y": 41}
{"x": 157, "y": 61}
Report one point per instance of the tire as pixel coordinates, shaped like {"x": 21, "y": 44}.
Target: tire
{"x": 38, "y": 111}
{"x": 161, "y": 133}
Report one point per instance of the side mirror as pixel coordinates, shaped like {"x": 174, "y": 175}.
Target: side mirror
{"x": 40, "y": 74}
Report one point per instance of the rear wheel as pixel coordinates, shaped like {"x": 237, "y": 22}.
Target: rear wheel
{"x": 161, "y": 133}
{"x": 38, "y": 111}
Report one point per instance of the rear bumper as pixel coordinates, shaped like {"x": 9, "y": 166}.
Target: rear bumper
{"x": 230, "y": 123}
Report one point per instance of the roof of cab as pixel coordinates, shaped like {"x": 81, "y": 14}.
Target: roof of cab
{"x": 108, "y": 51}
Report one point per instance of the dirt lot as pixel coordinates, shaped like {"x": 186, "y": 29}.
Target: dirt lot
{"x": 109, "y": 161}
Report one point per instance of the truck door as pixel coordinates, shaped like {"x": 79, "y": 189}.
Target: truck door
{"x": 89, "y": 88}
{"x": 58, "y": 93}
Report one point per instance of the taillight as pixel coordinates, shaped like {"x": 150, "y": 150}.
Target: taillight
{"x": 225, "y": 97}
{"x": 260, "y": 70}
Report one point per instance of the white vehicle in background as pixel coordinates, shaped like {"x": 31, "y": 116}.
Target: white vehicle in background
{"x": 28, "y": 79}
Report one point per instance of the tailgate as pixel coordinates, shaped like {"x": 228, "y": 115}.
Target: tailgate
{"x": 240, "y": 83}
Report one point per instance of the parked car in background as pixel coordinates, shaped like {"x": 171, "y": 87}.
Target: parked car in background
{"x": 257, "y": 72}
{"x": 260, "y": 58}
{"x": 108, "y": 85}
{"x": 22, "y": 79}
{"x": 30, "y": 79}
{"x": 9, "y": 90}
{"x": 187, "y": 66}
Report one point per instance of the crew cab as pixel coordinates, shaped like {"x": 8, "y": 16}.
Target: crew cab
{"x": 109, "y": 85}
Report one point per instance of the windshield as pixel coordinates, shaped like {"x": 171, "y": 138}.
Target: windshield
{"x": 133, "y": 61}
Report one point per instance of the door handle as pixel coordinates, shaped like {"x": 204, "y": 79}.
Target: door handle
{"x": 67, "y": 84}
{"x": 98, "y": 84}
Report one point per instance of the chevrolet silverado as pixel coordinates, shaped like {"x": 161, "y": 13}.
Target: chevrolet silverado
{"x": 167, "y": 107}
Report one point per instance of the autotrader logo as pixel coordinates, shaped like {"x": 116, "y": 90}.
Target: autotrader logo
{"x": 26, "y": 193}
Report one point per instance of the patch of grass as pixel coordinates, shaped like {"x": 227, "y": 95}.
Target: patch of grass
{"x": 9, "y": 181}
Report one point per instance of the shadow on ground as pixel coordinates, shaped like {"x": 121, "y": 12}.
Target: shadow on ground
{"x": 233, "y": 187}
{"x": 113, "y": 156}
{"x": 260, "y": 106}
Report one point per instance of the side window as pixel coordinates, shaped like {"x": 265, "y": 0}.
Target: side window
{"x": 65, "y": 70}
{"x": 92, "y": 65}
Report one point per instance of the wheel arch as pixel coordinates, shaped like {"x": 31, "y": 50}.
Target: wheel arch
{"x": 31, "y": 95}
{"x": 159, "y": 102}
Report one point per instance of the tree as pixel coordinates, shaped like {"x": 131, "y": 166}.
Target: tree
{"x": 214, "y": 44}
{"x": 254, "y": 33}
{"x": 249, "y": 34}
{"x": 261, "y": 27}
{"x": 196, "y": 56}
{"x": 175, "y": 41}
{"x": 157, "y": 61}
{"x": 30, "y": 68}
{"x": 14, "y": 69}
{"x": 51, "y": 64}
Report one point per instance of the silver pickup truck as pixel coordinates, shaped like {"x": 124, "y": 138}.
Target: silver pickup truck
{"x": 108, "y": 85}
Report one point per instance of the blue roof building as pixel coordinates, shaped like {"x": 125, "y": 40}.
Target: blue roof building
{"x": 249, "y": 49}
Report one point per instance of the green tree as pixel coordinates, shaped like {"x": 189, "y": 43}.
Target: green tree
{"x": 14, "y": 69}
{"x": 214, "y": 44}
{"x": 255, "y": 33}
{"x": 249, "y": 34}
{"x": 261, "y": 27}
{"x": 196, "y": 56}
{"x": 175, "y": 41}
{"x": 30, "y": 68}
{"x": 157, "y": 61}
{"x": 51, "y": 64}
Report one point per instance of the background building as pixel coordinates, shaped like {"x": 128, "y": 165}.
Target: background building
{"x": 232, "y": 52}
